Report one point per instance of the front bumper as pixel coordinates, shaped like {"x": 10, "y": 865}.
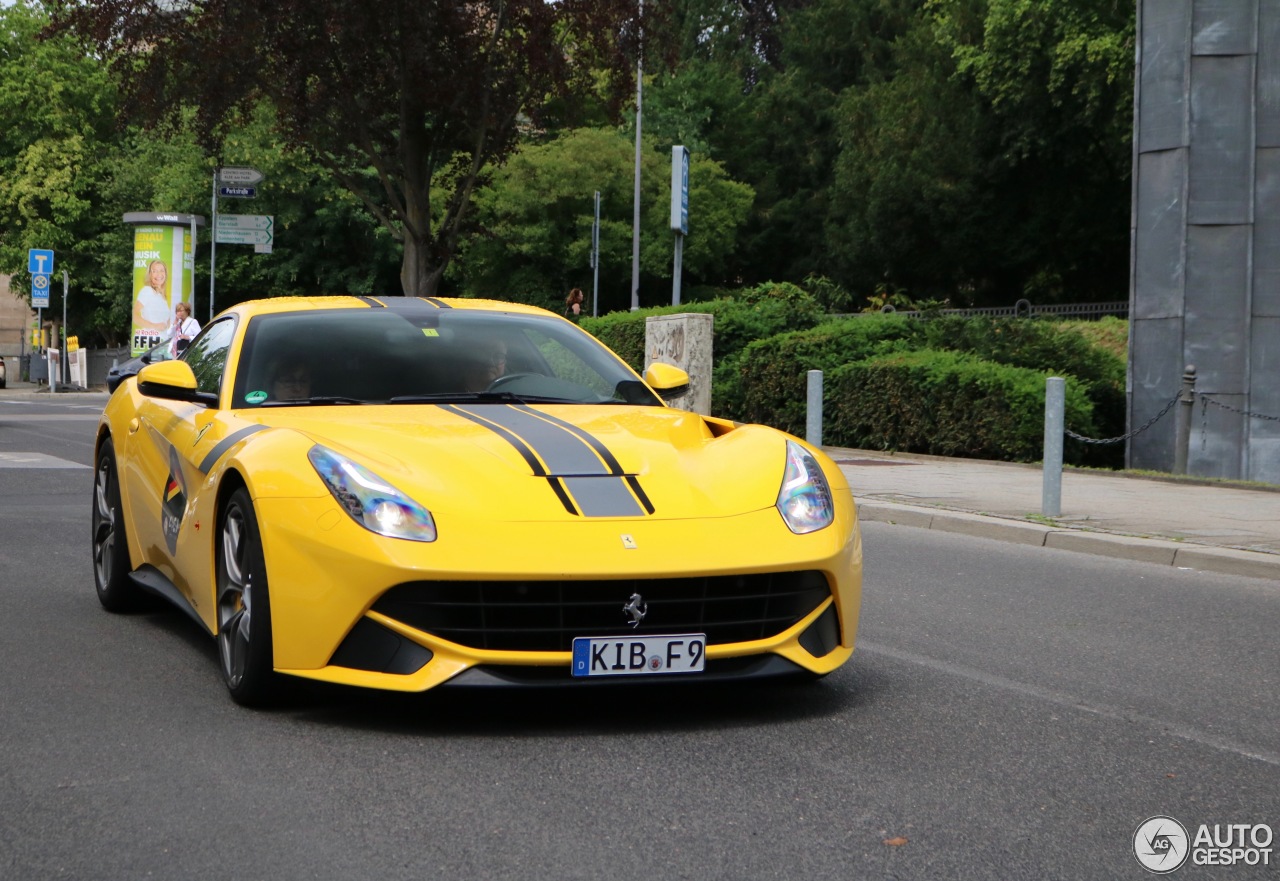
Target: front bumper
{"x": 326, "y": 573}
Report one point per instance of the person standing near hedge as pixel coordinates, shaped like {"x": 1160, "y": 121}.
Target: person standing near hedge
{"x": 573, "y": 304}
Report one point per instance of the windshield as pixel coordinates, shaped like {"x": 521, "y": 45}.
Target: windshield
{"x": 357, "y": 356}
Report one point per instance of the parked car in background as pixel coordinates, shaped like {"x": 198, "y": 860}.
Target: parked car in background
{"x": 124, "y": 370}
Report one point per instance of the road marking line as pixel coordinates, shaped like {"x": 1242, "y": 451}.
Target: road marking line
{"x": 1120, "y": 714}
{"x": 36, "y": 460}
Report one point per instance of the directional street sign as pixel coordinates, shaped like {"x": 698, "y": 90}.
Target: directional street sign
{"x": 243, "y": 236}
{"x": 39, "y": 261}
{"x": 39, "y": 290}
{"x": 245, "y": 221}
{"x": 238, "y": 192}
{"x": 239, "y": 176}
{"x": 245, "y": 229}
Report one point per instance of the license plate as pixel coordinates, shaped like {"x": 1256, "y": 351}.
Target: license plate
{"x": 639, "y": 655}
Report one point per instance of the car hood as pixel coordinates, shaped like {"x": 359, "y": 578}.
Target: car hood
{"x": 505, "y": 462}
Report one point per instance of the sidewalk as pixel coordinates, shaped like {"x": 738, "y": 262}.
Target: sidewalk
{"x": 1185, "y": 523}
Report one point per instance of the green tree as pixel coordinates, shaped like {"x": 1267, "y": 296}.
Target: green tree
{"x": 400, "y": 100}
{"x": 993, "y": 162}
{"x": 54, "y": 154}
{"x": 536, "y": 216}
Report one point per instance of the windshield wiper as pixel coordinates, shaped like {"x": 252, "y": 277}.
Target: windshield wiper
{"x": 316, "y": 399}
{"x": 463, "y": 398}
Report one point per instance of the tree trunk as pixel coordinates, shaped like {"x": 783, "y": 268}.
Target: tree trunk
{"x": 418, "y": 277}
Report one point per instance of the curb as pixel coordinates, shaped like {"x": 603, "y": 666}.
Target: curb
{"x": 1184, "y": 555}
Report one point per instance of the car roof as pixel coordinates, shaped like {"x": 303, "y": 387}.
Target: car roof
{"x": 302, "y": 304}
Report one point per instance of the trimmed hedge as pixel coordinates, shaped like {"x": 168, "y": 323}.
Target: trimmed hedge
{"x": 768, "y": 382}
{"x": 767, "y": 338}
{"x": 747, "y": 315}
{"x": 945, "y": 404}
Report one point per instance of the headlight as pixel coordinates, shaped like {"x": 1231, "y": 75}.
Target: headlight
{"x": 805, "y": 498}
{"x": 371, "y": 501}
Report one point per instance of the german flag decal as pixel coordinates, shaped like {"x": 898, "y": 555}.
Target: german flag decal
{"x": 579, "y": 468}
{"x": 174, "y": 504}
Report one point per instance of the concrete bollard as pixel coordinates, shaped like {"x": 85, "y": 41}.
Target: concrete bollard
{"x": 813, "y": 412}
{"x": 1182, "y": 420}
{"x": 1055, "y": 399}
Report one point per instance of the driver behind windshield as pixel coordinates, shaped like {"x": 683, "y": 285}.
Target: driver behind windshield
{"x": 481, "y": 363}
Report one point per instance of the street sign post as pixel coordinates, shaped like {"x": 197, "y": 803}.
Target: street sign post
{"x": 40, "y": 290}
{"x": 679, "y": 213}
{"x": 238, "y": 192}
{"x": 239, "y": 176}
{"x": 39, "y": 261}
{"x": 246, "y": 229}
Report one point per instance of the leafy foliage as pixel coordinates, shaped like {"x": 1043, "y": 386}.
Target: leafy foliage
{"x": 392, "y": 97}
{"x": 535, "y": 217}
{"x": 945, "y": 404}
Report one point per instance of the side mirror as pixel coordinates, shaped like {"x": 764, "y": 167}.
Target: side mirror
{"x": 172, "y": 381}
{"x": 668, "y": 381}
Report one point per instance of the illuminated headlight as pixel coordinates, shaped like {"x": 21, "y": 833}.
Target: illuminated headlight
{"x": 371, "y": 501}
{"x": 805, "y": 499}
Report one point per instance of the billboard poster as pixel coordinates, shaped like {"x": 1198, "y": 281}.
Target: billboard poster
{"x": 162, "y": 278}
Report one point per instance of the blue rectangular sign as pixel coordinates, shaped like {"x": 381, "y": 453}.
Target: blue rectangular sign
{"x": 238, "y": 192}
{"x": 40, "y": 262}
{"x": 40, "y": 290}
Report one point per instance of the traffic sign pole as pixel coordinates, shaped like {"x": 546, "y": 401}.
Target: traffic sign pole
{"x": 65, "y": 336}
{"x": 213, "y": 241}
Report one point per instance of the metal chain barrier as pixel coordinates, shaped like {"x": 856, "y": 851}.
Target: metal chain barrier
{"x": 1124, "y": 437}
{"x": 1209, "y": 400}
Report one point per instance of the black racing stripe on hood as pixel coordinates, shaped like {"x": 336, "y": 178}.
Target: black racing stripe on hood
{"x": 439, "y": 304}
{"x": 634, "y": 483}
{"x": 565, "y": 452}
{"x": 614, "y": 466}
{"x": 225, "y": 444}
{"x": 586, "y": 476}
{"x": 521, "y": 447}
{"x": 558, "y": 488}
{"x": 370, "y": 301}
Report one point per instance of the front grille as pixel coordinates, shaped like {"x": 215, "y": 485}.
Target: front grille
{"x": 545, "y": 616}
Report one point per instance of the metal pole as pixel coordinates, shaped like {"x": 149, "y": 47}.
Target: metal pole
{"x": 595, "y": 260}
{"x": 1055, "y": 396}
{"x": 62, "y": 365}
{"x": 213, "y": 241}
{"x": 193, "y": 265}
{"x": 679, "y": 259}
{"x": 635, "y": 200}
{"x": 1182, "y": 422}
{"x": 813, "y": 413}
{"x": 40, "y": 339}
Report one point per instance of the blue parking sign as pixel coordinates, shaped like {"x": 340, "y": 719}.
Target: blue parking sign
{"x": 40, "y": 262}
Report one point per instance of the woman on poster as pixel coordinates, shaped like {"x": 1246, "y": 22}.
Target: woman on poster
{"x": 151, "y": 304}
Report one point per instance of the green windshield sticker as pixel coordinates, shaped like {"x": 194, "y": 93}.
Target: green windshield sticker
{"x": 430, "y": 331}
{"x": 255, "y": 397}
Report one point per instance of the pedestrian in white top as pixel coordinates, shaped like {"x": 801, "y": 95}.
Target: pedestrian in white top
{"x": 185, "y": 327}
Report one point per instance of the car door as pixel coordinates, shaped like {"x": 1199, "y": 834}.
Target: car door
{"x": 171, "y": 441}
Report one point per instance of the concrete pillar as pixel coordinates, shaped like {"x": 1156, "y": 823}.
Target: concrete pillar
{"x": 684, "y": 341}
{"x": 1205, "y": 287}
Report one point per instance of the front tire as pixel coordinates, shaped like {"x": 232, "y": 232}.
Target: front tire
{"x": 116, "y": 591}
{"x": 244, "y": 608}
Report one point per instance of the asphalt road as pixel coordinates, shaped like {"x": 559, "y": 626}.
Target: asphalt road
{"x": 1011, "y": 712}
